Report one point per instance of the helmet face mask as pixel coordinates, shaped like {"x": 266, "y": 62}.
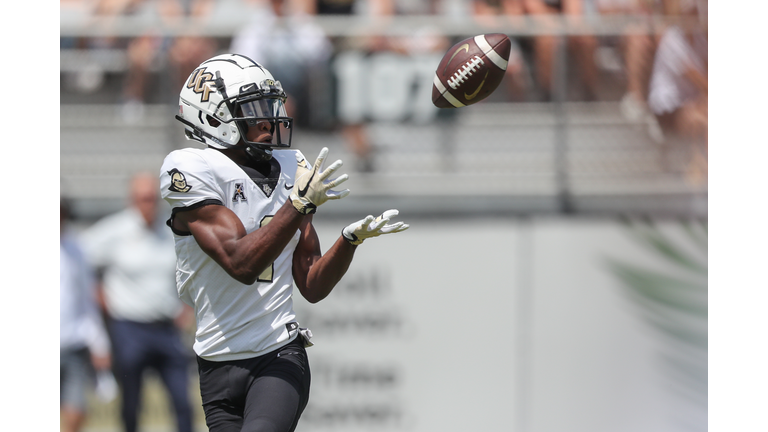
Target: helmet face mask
{"x": 231, "y": 100}
{"x": 255, "y": 109}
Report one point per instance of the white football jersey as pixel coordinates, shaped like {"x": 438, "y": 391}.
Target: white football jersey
{"x": 234, "y": 320}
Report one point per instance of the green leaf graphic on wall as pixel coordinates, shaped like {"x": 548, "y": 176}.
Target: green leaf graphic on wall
{"x": 671, "y": 296}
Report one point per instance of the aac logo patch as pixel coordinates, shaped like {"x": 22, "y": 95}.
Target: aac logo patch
{"x": 178, "y": 181}
{"x": 239, "y": 193}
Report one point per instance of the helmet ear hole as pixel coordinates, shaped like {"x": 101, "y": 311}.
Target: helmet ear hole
{"x": 212, "y": 121}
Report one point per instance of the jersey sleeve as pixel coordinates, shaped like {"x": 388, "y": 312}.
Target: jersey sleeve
{"x": 187, "y": 181}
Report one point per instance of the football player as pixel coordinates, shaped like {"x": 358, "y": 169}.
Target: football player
{"x": 242, "y": 212}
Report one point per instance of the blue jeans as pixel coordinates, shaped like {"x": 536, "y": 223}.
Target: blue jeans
{"x": 140, "y": 346}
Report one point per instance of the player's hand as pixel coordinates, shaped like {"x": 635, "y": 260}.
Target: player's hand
{"x": 311, "y": 188}
{"x": 369, "y": 227}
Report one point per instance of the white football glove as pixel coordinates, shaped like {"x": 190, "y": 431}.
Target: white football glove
{"x": 310, "y": 189}
{"x": 372, "y": 227}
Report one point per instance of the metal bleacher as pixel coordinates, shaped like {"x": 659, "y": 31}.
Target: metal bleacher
{"x": 495, "y": 157}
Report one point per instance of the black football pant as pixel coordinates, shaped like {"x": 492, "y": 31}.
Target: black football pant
{"x": 262, "y": 394}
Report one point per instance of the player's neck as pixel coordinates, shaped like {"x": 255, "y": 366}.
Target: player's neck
{"x": 237, "y": 155}
{"x": 240, "y": 157}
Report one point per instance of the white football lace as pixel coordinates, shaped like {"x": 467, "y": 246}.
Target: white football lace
{"x": 465, "y": 72}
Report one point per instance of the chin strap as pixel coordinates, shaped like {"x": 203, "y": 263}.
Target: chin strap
{"x": 258, "y": 154}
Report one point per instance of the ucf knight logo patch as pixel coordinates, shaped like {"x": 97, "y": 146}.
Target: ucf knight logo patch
{"x": 178, "y": 181}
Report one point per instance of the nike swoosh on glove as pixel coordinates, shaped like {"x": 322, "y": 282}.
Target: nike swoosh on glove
{"x": 311, "y": 189}
{"x": 369, "y": 227}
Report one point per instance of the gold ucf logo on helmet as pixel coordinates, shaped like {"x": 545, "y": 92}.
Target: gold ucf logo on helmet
{"x": 197, "y": 83}
{"x": 178, "y": 181}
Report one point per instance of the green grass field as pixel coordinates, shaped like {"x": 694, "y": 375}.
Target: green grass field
{"x": 156, "y": 413}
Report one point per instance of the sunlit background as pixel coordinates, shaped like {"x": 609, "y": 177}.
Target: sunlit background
{"x": 555, "y": 275}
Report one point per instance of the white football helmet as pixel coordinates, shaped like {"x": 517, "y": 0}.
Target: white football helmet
{"x": 225, "y": 96}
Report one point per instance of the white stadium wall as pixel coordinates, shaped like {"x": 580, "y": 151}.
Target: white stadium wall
{"x": 496, "y": 325}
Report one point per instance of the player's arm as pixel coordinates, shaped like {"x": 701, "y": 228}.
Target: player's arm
{"x": 316, "y": 275}
{"x": 222, "y": 236}
{"x": 244, "y": 256}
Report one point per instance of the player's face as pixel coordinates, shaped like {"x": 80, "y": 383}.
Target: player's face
{"x": 261, "y": 132}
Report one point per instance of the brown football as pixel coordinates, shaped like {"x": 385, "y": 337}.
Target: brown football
{"x": 471, "y": 70}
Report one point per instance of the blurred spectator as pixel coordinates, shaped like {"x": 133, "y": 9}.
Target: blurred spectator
{"x": 142, "y": 53}
{"x": 83, "y": 339}
{"x": 679, "y": 91}
{"x": 638, "y": 42}
{"x": 355, "y": 53}
{"x": 355, "y": 131}
{"x": 637, "y": 45}
{"x": 490, "y": 14}
{"x": 582, "y": 47}
{"x": 283, "y": 39}
{"x": 135, "y": 254}
{"x": 296, "y": 46}
{"x": 151, "y": 51}
{"x": 188, "y": 50}
{"x": 185, "y": 55}
{"x": 89, "y": 76}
